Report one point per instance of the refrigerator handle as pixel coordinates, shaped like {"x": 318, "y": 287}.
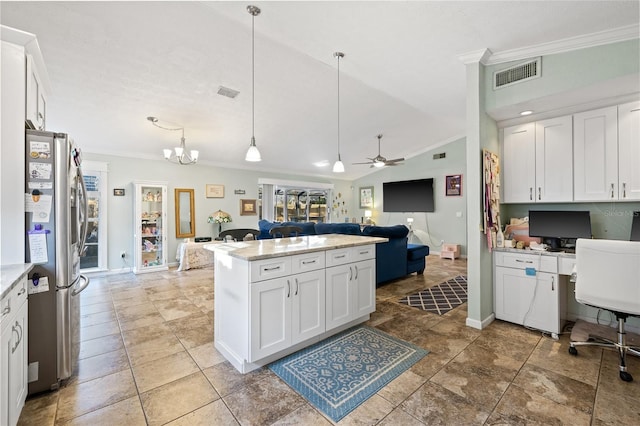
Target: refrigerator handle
{"x": 85, "y": 212}
{"x": 82, "y": 287}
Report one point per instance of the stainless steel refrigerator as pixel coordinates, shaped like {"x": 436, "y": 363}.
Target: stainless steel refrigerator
{"x": 56, "y": 222}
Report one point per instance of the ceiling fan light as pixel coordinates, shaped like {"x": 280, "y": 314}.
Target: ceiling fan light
{"x": 378, "y": 163}
{"x": 338, "y": 166}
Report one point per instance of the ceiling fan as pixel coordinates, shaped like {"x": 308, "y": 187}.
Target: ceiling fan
{"x": 380, "y": 161}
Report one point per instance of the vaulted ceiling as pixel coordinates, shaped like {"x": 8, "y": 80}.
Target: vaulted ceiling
{"x": 112, "y": 64}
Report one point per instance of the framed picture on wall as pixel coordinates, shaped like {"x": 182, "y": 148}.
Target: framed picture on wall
{"x": 453, "y": 185}
{"x": 248, "y": 207}
{"x": 214, "y": 191}
{"x": 366, "y": 197}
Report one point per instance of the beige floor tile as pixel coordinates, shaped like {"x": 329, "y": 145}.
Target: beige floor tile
{"x": 127, "y": 412}
{"x": 553, "y": 355}
{"x": 401, "y": 387}
{"x": 519, "y": 406}
{"x": 128, "y": 293}
{"x": 135, "y": 312}
{"x": 226, "y": 379}
{"x": 206, "y": 355}
{"x": 164, "y": 370}
{"x": 400, "y": 418}
{"x": 154, "y": 349}
{"x": 98, "y": 318}
{"x": 150, "y": 319}
{"x": 78, "y": 399}
{"x": 216, "y": 412}
{"x": 176, "y": 308}
{"x": 40, "y": 410}
{"x": 99, "y": 330}
{"x": 264, "y": 402}
{"x": 173, "y": 400}
{"x": 91, "y": 300}
{"x": 616, "y": 409}
{"x": 305, "y": 415}
{"x": 100, "y": 345}
{"x": 102, "y": 365}
{"x": 144, "y": 334}
{"x": 97, "y": 307}
{"x": 370, "y": 412}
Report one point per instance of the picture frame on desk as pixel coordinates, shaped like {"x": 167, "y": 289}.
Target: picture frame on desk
{"x": 248, "y": 208}
{"x": 214, "y": 191}
{"x": 453, "y": 185}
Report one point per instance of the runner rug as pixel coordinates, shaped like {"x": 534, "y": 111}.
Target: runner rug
{"x": 341, "y": 372}
{"x": 441, "y": 298}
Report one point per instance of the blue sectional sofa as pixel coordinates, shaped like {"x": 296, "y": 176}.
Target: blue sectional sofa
{"x": 394, "y": 259}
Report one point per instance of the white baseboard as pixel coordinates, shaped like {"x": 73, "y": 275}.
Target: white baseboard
{"x": 480, "y": 324}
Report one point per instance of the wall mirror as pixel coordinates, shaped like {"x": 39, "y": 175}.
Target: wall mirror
{"x": 185, "y": 213}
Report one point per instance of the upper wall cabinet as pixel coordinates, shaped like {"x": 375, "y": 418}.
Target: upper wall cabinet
{"x": 629, "y": 151}
{"x": 607, "y": 153}
{"x": 36, "y": 112}
{"x": 537, "y": 164}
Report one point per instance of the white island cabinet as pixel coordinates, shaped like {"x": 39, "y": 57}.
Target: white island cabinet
{"x": 274, "y": 297}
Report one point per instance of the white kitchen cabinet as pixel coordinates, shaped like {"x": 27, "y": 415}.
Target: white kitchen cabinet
{"x": 13, "y": 353}
{"x": 629, "y": 151}
{"x": 150, "y": 232}
{"x": 36, "y": 108}
{"x": 595, "y": 143}
{"x": 537, "y": 164}
{"x": 527, "y": 290}
{"x": 285, "y": 311}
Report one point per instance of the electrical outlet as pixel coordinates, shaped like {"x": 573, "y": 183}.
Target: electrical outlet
{"x": 123, "y": 254}
{"x": 441, "y": 242}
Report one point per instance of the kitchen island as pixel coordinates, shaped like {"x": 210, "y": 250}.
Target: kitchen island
{"x": 274, "y": 297}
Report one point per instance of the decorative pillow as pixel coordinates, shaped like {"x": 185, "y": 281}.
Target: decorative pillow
{"x": 395, "y": 231}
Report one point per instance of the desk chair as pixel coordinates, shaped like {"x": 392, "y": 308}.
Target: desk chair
{"x": 285, "y": 231}
{"x": 240, "y": 234}
{"x": 608, "y": 277}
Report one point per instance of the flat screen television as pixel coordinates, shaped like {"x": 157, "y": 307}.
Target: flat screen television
{"x": 635, "y": 227}
{"x": 408, "y": 196}
{"x": 560, "y": 228}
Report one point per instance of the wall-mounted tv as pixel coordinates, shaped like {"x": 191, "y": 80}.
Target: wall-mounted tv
{"x": 408, "y": 196}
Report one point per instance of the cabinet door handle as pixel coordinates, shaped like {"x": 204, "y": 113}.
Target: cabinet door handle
{"x": 6, "y": 310}
{"x": 524, "y": 261}
{"x": 308, "y": 262}
{"x": 624, "y": 190}
{"x": 275, "y": 268}
{"x": 18, "y": 329}
{"x": 553, "y": 281}
{"x": 539, "y": 193}
{"x": 611, "y": 190}
{"x": 288, "y": 288}
{"x": 350, "y": 273}
{"x": 340, "y": 257}
{"x": 297, "y": 287}
{"x": 364, "y": 252}
{"x": 530, "y": 194}
{"x": 356, "y": 268}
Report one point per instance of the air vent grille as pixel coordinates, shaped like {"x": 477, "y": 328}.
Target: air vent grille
{"x": 439, "y": 156}
{"x": 229, "y": 93}
{"x": 517, "y": 74}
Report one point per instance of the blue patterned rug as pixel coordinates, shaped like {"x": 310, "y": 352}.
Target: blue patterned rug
{"x": 340, "y": 373}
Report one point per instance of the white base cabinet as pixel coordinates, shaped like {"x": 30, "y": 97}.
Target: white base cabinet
{"x": 527, "y": 291}
{"x": 266, "y": 309}
{"x": 13, "y": 354}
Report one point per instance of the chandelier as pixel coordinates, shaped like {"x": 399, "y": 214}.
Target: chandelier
{"x": 179, "y": 154}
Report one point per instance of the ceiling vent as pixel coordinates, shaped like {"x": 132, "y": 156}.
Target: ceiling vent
{"x": 439, "y": 156}
{"x": 517, "y": 74}
{"x": 229, "y": 93}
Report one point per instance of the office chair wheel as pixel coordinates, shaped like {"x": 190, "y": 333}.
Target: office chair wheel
{"x": 573, "y": 351}
{"x": 626, "y": 376}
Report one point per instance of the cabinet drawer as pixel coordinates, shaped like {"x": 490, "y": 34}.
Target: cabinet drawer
{"x": 13, "y": 300}
{"x": 565, "y": 265}
{"x": 364, "y": 252}
{"x": 539, "y": 262}
{"x": 270, "y": 268}
{"x": 307, "y": 262}
{"x": 340, "y": 256}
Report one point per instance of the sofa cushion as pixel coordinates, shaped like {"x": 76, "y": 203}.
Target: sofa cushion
{"x": 395, "y": 231}
{"x": 308, "y": 228}
{"x": 417, "y": 251}
{"x": 337, "y": 228}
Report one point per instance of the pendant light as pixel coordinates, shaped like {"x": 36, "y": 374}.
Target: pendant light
{"x": 338, "y": 166}
{"x": 253, "y": 154}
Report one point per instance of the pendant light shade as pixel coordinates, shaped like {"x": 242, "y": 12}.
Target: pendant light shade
{"x": 253, "y": 154}
{"x": 338, "y": 166}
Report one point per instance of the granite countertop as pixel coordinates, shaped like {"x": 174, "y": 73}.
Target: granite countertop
{"x": 10, "y": 275}
{"x": 279, "y": 247}
{"x": 542, "y": 252}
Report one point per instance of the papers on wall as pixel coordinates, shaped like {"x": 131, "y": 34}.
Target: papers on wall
{"x": 38, "y": 247}
{"x": 40, "y": 170}
{"x": 39, "y": 285}
{"x": 39, "y": 206}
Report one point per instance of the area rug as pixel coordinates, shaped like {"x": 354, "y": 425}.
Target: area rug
{"x": 340, "y": 373}
{"x": 441, "y": 298}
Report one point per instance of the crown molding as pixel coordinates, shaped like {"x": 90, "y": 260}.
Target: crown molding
{"x": 476, "y": 56}
{"x": 565, "y": 45}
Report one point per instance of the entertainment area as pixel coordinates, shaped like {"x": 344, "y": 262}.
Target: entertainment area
{"x": 408, "y": 196}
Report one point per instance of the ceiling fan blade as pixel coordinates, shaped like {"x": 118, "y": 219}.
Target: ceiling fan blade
{"x": 368, "y": 162}
{"x": 395, "y": 160}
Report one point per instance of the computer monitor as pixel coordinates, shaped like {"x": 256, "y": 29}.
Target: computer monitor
{"x": 559, "y": 228}
{"x": 635, "y": 227}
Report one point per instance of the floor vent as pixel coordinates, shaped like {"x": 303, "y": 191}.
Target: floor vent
{"x": 229, "y": 93}
{"x": 517, "y": 74}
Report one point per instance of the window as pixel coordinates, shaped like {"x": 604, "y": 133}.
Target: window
{"x": 286, "y": 201}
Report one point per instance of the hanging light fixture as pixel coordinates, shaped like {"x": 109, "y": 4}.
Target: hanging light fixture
{"x": 338, "y": 166}
{"x": 181, "y": 156}
{"x": 253, "y": 154}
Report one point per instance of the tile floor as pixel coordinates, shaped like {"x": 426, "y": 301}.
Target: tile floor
{"x": 147, "y": 358}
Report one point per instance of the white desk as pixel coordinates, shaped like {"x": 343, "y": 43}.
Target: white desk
{"x": 194, "y": 255}
{"x": 530, "y": 288}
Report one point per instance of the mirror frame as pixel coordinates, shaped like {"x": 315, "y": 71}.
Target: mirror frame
{"x": 178, "y": 192}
